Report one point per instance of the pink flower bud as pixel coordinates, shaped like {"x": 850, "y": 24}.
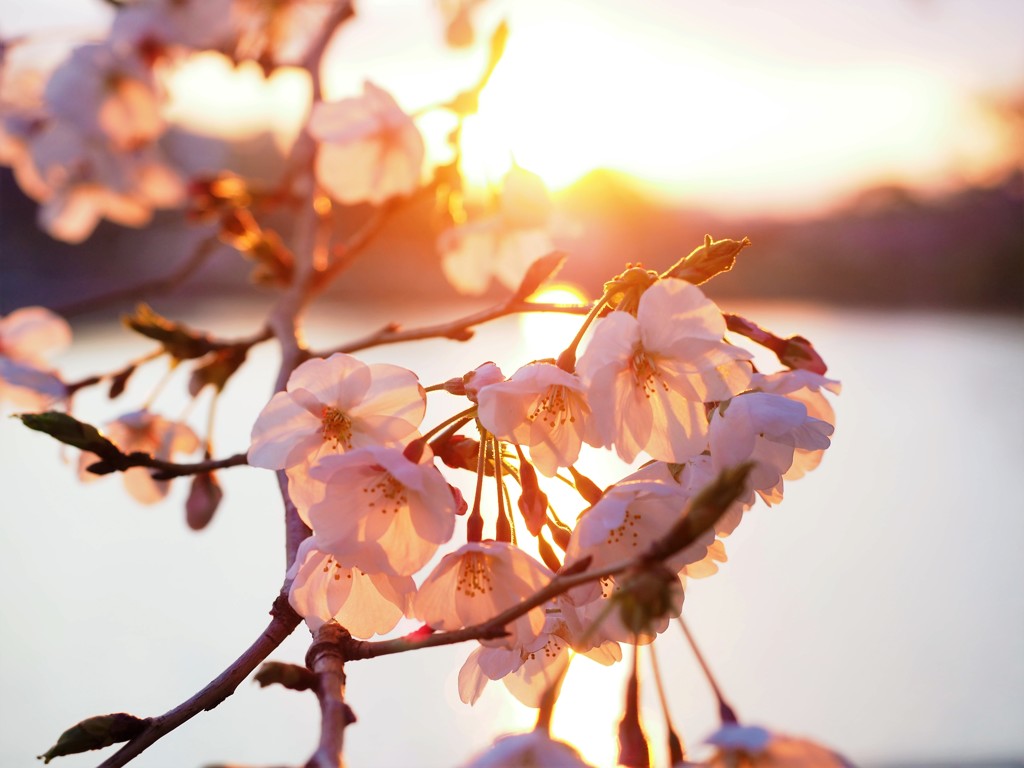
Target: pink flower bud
{"x": 203, "y": 500}
{"x": 482, "y": 376}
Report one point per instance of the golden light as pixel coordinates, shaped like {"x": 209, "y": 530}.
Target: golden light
{"x": 714, "y": 124}
{"x": 588, "y": 709}
{"x": 552, "y": 331}
{"x": 210, "y": 95}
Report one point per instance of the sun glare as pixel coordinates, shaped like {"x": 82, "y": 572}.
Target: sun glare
{"x": 211, "y": 95}
{"x": 552, "y": 330}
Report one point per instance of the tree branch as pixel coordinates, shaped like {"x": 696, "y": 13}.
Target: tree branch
{"x": 326, "y": 658}
{"x": 283, "y": 623}
{"x": 168, "y": 470}
{"x": 460, "y": 329}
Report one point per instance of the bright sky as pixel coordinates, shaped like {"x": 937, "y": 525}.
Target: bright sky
{"x": 763, "y": 107}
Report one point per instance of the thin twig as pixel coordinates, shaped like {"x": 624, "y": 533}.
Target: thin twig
{"x": 459, "y": 329}
{"x": 283, "y": 623}
{"x": 166, "y": 470}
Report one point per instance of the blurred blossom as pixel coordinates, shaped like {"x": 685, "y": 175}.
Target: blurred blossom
{"x": 370, "y": 149}
{"x": 148, "y": 433}
{"x": 169, "y": 23}
{"x": 106, "y": 94}
{"x": 758, "y": 747}
{"x": 528, "y": 750}
{"x": 503, "y": 242}
{"x": 28, "y": 336}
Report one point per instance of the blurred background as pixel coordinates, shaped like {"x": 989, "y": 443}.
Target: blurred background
{"x": 872, "y": 152}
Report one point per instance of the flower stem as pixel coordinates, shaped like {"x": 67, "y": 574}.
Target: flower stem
{"x": 725, "y": 712}
{"x": 567, "y": 360}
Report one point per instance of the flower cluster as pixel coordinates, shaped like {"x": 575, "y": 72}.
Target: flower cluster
{"x": 657, "y": 381}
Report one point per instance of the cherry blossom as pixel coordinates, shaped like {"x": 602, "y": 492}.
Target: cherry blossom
{"x": 630, "y": 516}
{"x": 148, "y": 433}
{"x": 767, "y": 429}
{"x": 807, "y": 388}
{"x": 760, "y": 748}
{"x": 365, "y": 604}
{"x": 379, "y": 511}
{"x": 83, "y": 180}
{"x": 478, "y": 581}
{"x": 330, "y": 406}
{"x": 528, "y": 670}
{"x": 370, "y": 149}
{"x": 649, "y": 376}
{"x": 107, "y": 94}
{"x": 528, "y": 750}
{"x": 505, "y": 242}
{"x": 541, "y": 407}
{"x": 27, "y": 338}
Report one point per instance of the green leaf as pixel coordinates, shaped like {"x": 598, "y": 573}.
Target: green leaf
{"x": 289, "y": 675}
{"x": 96, "y": 733}
{"x": 179, "y": 341}
{"x": 217, "y": 368}
{"x": 70, "y": 431}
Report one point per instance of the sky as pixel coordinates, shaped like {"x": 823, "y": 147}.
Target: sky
{"x": 754, "y": 106}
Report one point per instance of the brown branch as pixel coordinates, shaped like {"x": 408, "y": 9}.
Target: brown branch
{"x": 204, "y": 249}
{"x": 283, "y": 623}
{"x": 460, "y": 330}
{"x": 326, "y": 658}
{"x": 167, "y": 470}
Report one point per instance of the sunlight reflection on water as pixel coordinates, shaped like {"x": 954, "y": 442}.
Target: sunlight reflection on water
{"x": 879, "y": 609}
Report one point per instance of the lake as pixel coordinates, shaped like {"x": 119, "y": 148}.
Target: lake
{"x": 879, "y": 609}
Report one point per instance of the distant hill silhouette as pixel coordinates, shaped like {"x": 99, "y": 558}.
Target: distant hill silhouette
{"x": 886, "y": 248}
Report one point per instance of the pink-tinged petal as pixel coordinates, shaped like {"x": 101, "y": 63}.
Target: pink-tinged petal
{"x": 395, "y": 392}
{"x": 472, "y": 680}
{"x": 674, "y": 309}
{"x": 705, "y": 370}
{"x": 680, "y": 427}
{"x": 340, "y": 381}
{"x": 143, "y": 488}
{"x": 30, "y": 333}
{"x": 544, "y": 664}
{"x": 615, "y": 338}
{"x": 28, "y": 388}
{"x": 284, "y": 434}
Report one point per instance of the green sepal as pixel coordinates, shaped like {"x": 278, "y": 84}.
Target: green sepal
{"x": 179, "y": 341}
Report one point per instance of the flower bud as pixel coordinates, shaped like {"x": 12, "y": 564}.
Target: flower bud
{"x": 708, "y": 260}
{"x": 203, "y": 500}
{"x": 480, "y": 377}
